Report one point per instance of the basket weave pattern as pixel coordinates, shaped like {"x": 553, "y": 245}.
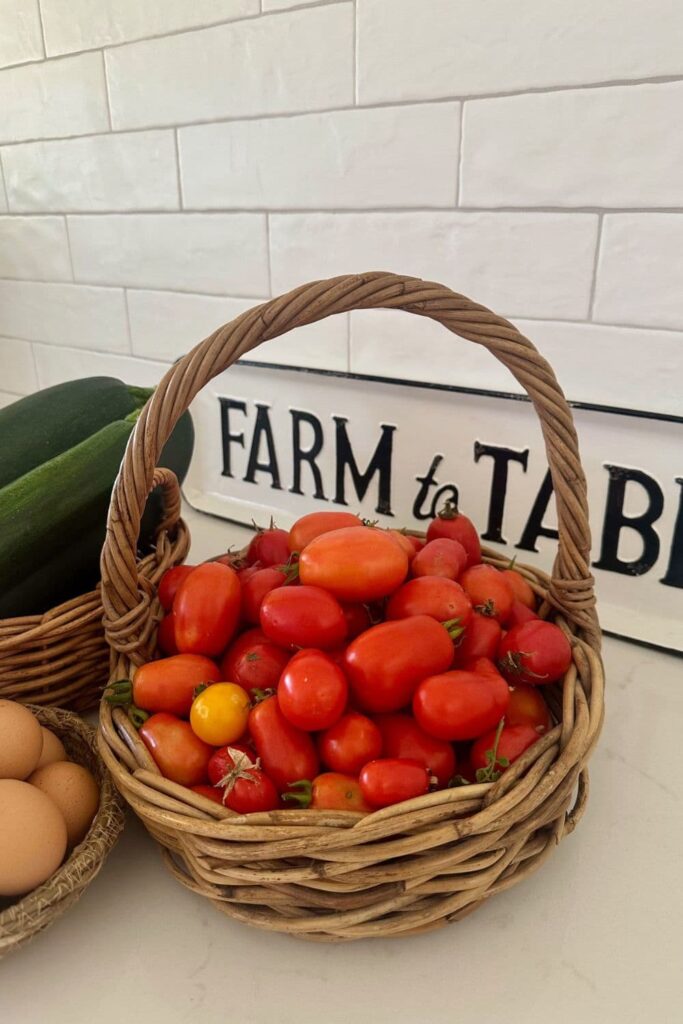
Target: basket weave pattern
{"x": 419, "y": 864}
{"x": 23, "y": 920}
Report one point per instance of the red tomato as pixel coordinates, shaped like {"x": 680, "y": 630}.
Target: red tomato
{"x": 303, "y": 617}
{"x": 312, "y": 692}
{"x": 403, "y": 542}
{"x": 210, "y": 792}
{"x": 357, "y": 619}
{"x": 315, "y": 524}
{"x": 350, "y": 743}
{"x": 178, "y": 753}
{"x": 166, "y": 635}
{"x": 207, "y": 609}
{"x": 440, "y": 557}
{"x": 392, "y": 780}
{"x": 354, "y": 564}
{"x": 512, "y": 742}
{"x": 527, "y": 707}
{"x": 169, "y": 683}
{"x": 246, "y": 788}
{"x": 222, "y": 761}
{"x": 403, "y": 737}
{"x": 521, "y": 589}
{"x": 246, "y": 572}
{"x": 330, "y": 791}
{"x": 488, "y": 590}
{"x": 480, "y": 640}
{"x": 254, "y": 664}
{"x": 385, "y": 664}
{"x": 269, "y": 547}
{"x": 169, "y": 583}
{"x": 462, "y": 704}
{"x": 535, "y": 652}
{"x": 255, "y": 588}
{"x": 441, "y": 599}
{"x": 455, "y": 526}
{"x": 520, "y": 613}
{"x": 287, "y": 753}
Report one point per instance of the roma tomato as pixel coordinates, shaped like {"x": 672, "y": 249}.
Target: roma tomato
{"x": 455, "y": 526}
{"x": 504, "y": 746}
{"x": 330, "y": 791}
{"x": 392, "y": 780}
{"x": 255, "y": 588}
{"x": 207, "y": 609}
{"x": 440, "y": 598}
{"x": 489, "y": 591}
{"x": 169, "y": 583}
{"x": 287, "y": 754}
{"x": 521, "y": 589}
{"x": 357, "y": 619}
{"x": 462, "y": 704}
{"x": 303, "y": 617}
{"x": 520, "y": 613}
{"x": 403, "y": 541}
{"x": 480, "y": 640}
{"x": 315, "y": 524}
{"x": 169, "y": 683}
{"x": 219, "y": 714}
{"x": 166, "y": 635}
{"x": 385, "y": 664}
{"x": 535, "y": 652}
{"x": 350, "y": 743}
{"x": 246, "y": 788}
{"x": 403, "y": 737}
{"x": 312, "y": 691}
{"x": 527, "y": 707}
{"x": 354, "y": 564}
{"x": 254, "y": 664}
{"x": 269, "y": 547}
{"x": 223, "y": 761}
{"x": 179, "y": 755}
{"x": 440, "y": 557}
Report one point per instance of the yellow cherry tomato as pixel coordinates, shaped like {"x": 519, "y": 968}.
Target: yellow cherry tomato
{"x": 219, "y": 713}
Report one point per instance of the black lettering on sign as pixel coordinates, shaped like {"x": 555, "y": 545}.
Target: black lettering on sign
{"x": 534, "y": 525}
{"x": 228, "y": 438}
{"x": 615, "y": 521}
{"x": 502, "y": 457}
{"x": 674, "y": 572}
{"x": 449, "y": 492}
{"x": 263, "y": 429}
{"x": 379, "y": 464}
{"x": 306, "y": 455}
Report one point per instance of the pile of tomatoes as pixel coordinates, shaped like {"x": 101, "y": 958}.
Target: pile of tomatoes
{"x": 343, "y": 666}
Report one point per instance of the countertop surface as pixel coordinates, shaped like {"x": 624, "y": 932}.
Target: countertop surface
{"x": 594, "y": 936}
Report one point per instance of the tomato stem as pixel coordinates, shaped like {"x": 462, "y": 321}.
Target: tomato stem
{"x": 301, "y": 793}
{"x": 453, "y": 628}
{"x": 491, "y": 773}
{"x": 119, "y": 693}
{"x": 449, "y": 511}
{"x": 137, "y": 716}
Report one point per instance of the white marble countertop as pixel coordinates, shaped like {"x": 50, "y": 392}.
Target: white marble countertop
{"x": 594, "y": 937}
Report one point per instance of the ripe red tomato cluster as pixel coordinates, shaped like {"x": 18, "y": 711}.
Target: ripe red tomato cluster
{"x": 342, "y": 666}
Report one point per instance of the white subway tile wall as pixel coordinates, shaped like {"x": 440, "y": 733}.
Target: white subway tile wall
{"x": 165, "y": 165}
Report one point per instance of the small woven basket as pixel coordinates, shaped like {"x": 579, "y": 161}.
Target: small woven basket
{"x": 21, "y": 921}
{"x": 60, "y": 658}
{"x": 419, "y": 864}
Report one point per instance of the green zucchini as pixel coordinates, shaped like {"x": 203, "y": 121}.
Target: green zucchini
{"x": 35, "y": 429}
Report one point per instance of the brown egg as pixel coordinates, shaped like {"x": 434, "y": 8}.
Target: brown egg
{"x": 53, "y": 749}
{"x": 21, "y": 741}
{"x": 75, "y": 792}
{"x": 32, "y": 837}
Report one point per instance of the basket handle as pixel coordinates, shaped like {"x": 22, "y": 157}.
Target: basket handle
{"x": 571, "y": 588}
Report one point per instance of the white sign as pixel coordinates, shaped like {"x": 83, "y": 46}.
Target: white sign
{"x": 279, "y": 442}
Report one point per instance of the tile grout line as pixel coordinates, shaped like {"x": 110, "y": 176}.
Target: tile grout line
{"x": 268, "y": 257}
{"x": 42, "y": 27}
{"x": 68, "y": 245}
{"x": 343, "y": 211}
{"x": 596, "y": 263}
{"x": 106, "y": 90}
{"x": 3, "y": 183}
{"x": 461, "y": 150}
{"x": 128, "y": 327}
{"x": 188, "y": 30}
{"x": 179, "y": 183}
{"x": 354, "y": 54}
{"x": 35, "y": 363}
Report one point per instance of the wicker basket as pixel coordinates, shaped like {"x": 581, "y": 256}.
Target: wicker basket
{"x": 416, "y": 865}
{"x": 21, "y": 921}
{"x": 60, "y": 657}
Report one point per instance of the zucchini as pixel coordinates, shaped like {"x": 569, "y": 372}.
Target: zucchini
{"x": 37, "y": 428}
